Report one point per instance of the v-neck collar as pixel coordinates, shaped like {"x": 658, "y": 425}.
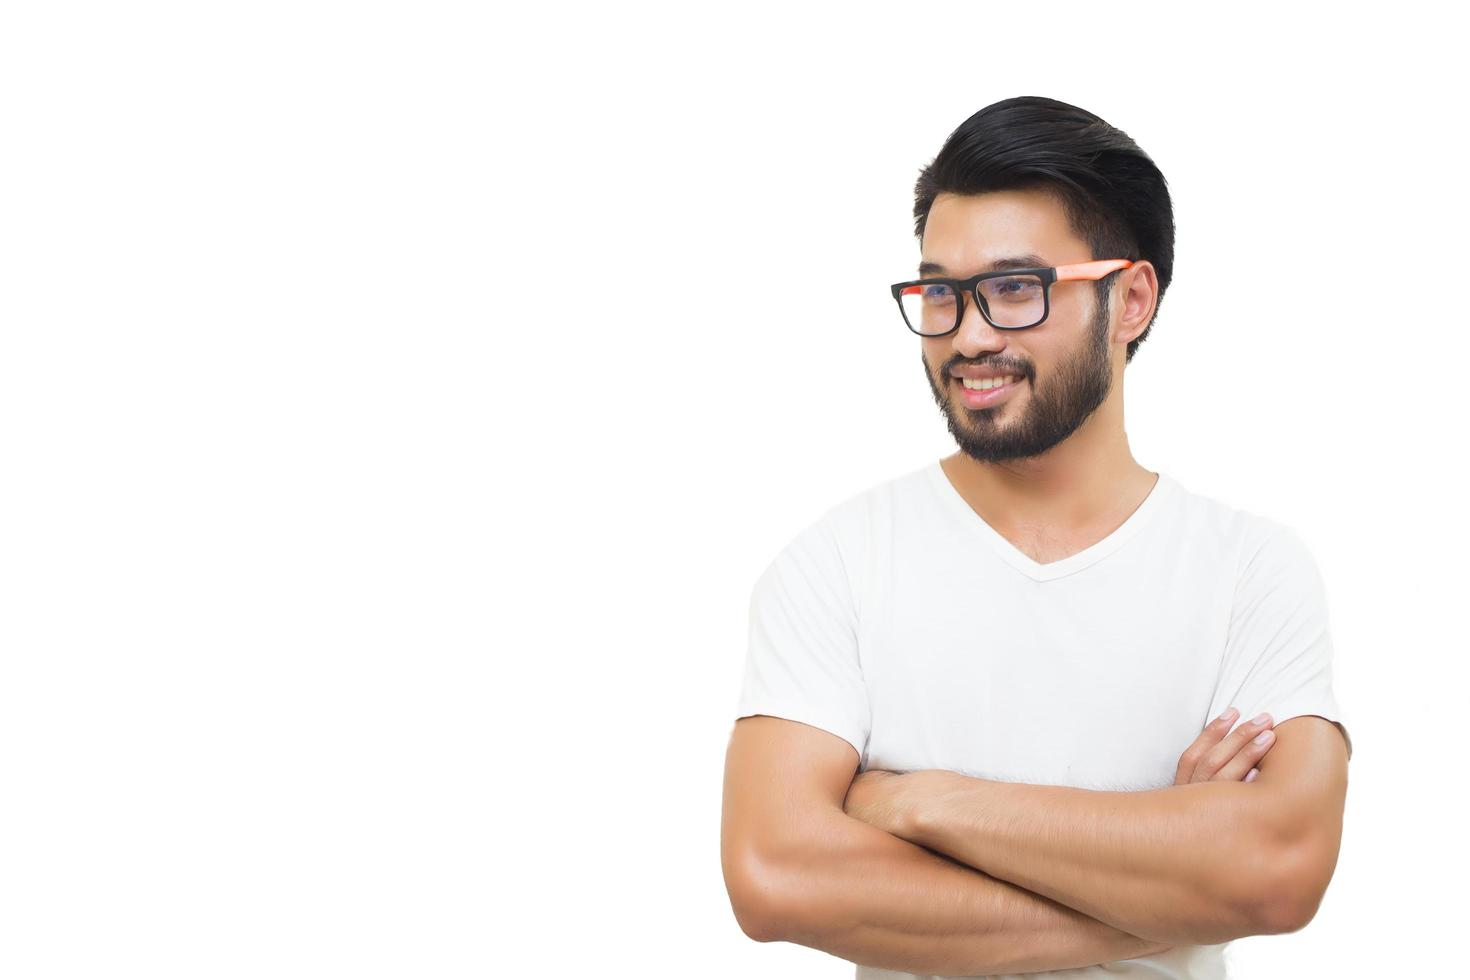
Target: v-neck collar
{"x": 1024, "y": 563}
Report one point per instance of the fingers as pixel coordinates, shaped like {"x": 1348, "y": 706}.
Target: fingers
{"x": 1189, "y": 762}
{"x": 1250, "y": 777}
{"x": 1239, "y": 751}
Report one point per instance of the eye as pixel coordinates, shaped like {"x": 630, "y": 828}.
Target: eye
{"x": 1013, "y": 288}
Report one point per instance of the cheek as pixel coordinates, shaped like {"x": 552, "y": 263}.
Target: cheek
{"x": 1073, "y": 306}
{"x": 934, "y": 357}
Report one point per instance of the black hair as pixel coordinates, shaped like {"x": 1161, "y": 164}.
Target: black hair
{"x": 1115, "y": 198}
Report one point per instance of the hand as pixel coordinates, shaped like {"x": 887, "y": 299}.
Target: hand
{"x": 1216, "y": 756}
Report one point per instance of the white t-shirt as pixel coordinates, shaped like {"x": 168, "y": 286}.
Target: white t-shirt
{"x": 904, "y": 623}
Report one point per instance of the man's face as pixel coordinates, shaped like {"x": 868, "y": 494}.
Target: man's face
{"x": 1064, "y": 365}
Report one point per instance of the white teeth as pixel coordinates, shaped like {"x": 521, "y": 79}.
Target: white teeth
{"x": 985, "y": 384}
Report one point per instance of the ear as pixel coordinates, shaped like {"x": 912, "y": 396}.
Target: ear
{"x": 1137, "y": 295}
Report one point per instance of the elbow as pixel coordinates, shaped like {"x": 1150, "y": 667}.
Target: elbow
{"x": 1286, "y": 913}
{"x": 777, "y": 903}
{"x": 753, "y": 920}
{"x": 1292, "y": 893}
{"x": 1271, "y": 885}
{"x": 778, "y": 888}
{"x": 755, "y": 924}
{"x": 755, "y": 900}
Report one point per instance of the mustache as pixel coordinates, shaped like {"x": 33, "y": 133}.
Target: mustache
{"x": 1000, "y": 366}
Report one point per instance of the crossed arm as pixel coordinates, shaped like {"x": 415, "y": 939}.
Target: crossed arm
{"x": 867, "y": 884}
{"x": 1196, "y": 863}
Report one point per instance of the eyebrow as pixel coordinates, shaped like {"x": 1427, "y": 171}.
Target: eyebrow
{"x": 1009, "y": 262}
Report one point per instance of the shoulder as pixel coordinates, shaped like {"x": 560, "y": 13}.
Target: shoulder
{"x": 1274, "y": 567}
{"x": 1270, "y": 549}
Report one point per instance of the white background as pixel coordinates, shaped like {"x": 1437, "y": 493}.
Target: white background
{"x": 398, "y": 402}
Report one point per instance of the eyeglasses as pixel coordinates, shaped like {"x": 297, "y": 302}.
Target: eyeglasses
{"x": 1010, "y": 300}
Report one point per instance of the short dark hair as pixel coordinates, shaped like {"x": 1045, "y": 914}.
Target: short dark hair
{"x": 1114, "y": 196}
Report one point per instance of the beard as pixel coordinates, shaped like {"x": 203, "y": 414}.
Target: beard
{"x": 1056, "y": 408}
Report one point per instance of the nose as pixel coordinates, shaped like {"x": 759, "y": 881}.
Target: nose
{"x": 975, "y": 334}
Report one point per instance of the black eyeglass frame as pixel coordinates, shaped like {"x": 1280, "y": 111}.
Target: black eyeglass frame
{"x": 1092, "y": 270}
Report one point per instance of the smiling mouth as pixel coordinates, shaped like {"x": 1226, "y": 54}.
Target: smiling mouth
{"x": 985, "y": 397}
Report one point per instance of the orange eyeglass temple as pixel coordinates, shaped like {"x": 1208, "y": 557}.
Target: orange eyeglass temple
{"x": 1091, "y": 270}
{"x": 1080, "y": 270}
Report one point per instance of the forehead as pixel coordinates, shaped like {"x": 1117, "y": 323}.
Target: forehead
{"x": 964, "y": 233}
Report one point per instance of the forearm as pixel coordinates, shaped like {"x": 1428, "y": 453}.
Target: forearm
{"x": 869, "y": 897}
{"x": 1185, "y": 864}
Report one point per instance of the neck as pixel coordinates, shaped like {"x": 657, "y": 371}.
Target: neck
{"x": 1087, "y": 477}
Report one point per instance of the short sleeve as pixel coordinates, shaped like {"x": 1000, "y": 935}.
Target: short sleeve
{"x": 1278, "y": 654}
{"x": 802, "y": 660}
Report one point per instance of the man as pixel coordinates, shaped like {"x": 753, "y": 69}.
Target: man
{"x": 988, "y": 721}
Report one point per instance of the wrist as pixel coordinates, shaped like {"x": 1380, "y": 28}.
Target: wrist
{"x": 928, "y": 792}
